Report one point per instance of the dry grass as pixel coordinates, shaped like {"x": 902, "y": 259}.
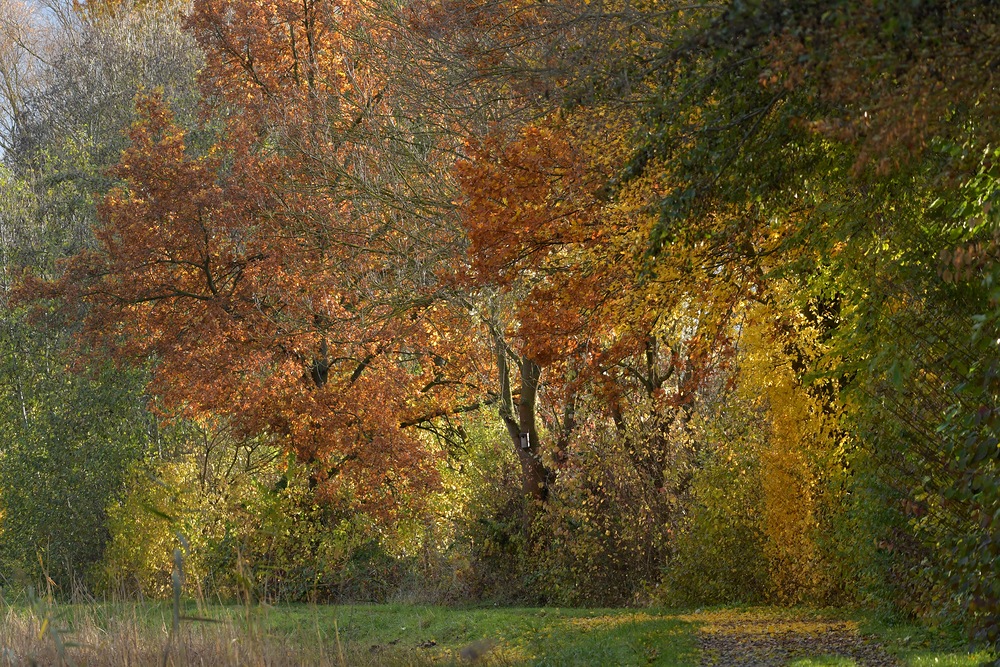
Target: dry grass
{"x": 93, "y": 637}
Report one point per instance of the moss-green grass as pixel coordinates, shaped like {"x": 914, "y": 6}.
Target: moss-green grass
{"x": 925, "y": 646}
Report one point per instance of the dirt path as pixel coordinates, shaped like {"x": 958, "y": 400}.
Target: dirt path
{"x": 762, "y": 639}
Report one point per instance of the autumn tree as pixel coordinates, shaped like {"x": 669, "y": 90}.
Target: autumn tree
{"x": 270, "y": 276}
{"x": 541, "y": 234}
{"x": 844, "y": 143}
{"x": 492, "y": 76}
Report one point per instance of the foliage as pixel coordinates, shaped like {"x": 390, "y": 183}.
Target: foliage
{"x": 617, "y": 503}
{"x": 485, "y": 520}
{"x": 719, "y": 553}
{"x": 249, "y": 526}
{"x": 71, "y": 431}
{"x": 144, "y": 530}
{"x": 579, "y": 302}
{"x": 261, "y": 297}
{"x": 69, "y": 436}
{"x": 87, "y": 70}
{"x": 799, "y": 462}
{"x": 841, "y": 187}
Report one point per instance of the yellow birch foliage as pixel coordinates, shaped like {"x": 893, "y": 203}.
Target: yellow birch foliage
{"x": 795, "y": 459}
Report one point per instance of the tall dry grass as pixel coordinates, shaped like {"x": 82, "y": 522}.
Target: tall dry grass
{"x": 38, "y": 630}
{"x": 129, "y": 636}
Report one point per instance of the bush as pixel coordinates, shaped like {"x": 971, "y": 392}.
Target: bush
{"x": 69, "y": 440}
{"x": 614, "y": 507}
{"x": 718, "y": 554}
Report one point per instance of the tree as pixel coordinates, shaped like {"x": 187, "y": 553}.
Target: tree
{"x": 832, "y": 137}
{"x": 18, "y": 38}
{"x": 70, "y": 438}
{"x": 74, "y": 427}
{"x": 70, "y": 434}
{"x": 260, "y": 274}
{"x": 86, "y": 73}
{"x": 543, "y": 232}
{"x": 224, "y": 284}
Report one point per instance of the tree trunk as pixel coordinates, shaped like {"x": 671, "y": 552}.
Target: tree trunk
{"x": 521, "y": 423}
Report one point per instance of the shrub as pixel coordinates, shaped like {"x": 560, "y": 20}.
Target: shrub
{"x": 69, "y": 438}
{"x": 718, "y": 553}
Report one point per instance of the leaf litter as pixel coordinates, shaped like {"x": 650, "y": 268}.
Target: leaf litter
{"x": 767, "y": 639}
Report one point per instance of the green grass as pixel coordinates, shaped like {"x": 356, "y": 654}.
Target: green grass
{"x": 927, "y": 659}
{"x": 514, "y": 635}
{"x": 390, "y": 634}
{"x": 925, "y": 646}
{"x": 424, "y": 635}
{"x": 824, "y": 661}
{"x": 579, "y": 637}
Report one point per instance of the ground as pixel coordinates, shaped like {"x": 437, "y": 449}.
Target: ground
{"x": 139, "y": 634}
{"x": 756, "y": 638}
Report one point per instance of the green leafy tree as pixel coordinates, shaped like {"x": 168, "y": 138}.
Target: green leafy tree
{"x": 69, "y": 436}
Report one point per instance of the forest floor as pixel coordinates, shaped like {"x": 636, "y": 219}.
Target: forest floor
{"x": 341, "y": 636}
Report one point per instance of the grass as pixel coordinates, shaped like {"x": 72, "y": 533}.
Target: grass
{"x": 925, "y": 646}
{"x": 823, "y": 661}
{"x": 925, "y": 659}
{"x": 532, "y": 636}
{"x": 103, "y": 635}
{"x": 136, "y": 634}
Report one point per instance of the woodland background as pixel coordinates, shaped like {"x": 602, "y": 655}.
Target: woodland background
{"x": 288, "y": 284}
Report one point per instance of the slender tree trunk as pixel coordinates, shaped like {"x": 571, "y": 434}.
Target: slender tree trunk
{"x": 534, "y": 474}
{"x": 521, "y": 426}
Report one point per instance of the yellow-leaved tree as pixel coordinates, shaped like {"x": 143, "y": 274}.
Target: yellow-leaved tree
{"x": 803, "y": 445}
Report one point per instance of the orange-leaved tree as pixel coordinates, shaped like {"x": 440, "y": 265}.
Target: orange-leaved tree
{"x": 260, "y": 275}
{"x": 546, "y": 232}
